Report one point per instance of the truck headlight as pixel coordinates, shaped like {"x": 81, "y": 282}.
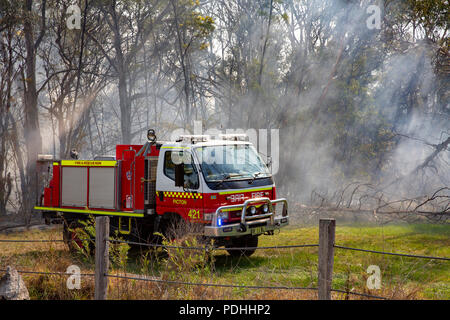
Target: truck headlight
{"x": 223, "y": 215}
{"x": 265, "y": 208}
{"x": 252, "y": 210}
{"x": 209, "y": 216}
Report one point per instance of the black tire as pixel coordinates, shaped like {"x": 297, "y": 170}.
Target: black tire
{"x": 243, "y": 242}
{"x": 173, "y": 227}
{"x": 71, "y": 238}
{"x": 170, "y": 227}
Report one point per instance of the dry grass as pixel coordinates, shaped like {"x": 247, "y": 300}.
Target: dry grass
{"x": 401, "y": 278}
{"x": 45, "y": 257}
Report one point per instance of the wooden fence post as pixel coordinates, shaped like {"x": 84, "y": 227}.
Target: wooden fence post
{"x": 101, "y": 257}
{"x": 326, "y": 257}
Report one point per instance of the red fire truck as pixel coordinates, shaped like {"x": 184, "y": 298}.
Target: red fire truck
{"x": 221, "y": 185}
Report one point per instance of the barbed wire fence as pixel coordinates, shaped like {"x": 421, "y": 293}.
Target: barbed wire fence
{"x": 326, "y": 251}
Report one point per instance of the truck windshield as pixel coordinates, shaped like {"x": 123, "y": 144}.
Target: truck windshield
{"x": 231, "y": 162}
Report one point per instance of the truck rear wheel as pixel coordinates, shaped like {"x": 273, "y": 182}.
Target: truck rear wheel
{"x": 71, "y": 238}
{"x": 250, "y": 242}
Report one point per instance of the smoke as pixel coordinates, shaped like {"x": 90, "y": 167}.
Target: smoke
{"x": 398, "y": 98}
{"x": 352, "y": 104}
{"x": 411, "y": 78}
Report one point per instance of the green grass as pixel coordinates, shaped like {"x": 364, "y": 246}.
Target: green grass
{"x": 401, "y": 277}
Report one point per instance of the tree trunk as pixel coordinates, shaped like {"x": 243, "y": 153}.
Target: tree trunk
{"x": 125, "y": 110}
{"x": 122, "y": 70}
{"x": 32, "y": 134}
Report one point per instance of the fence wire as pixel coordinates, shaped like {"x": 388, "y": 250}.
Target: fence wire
{"x": 235, "y": 248}
{"x": 211, "y": 248}
{"x": 393, "y": 253}
{"x": 239, "y": 286}
{"x": 56, "y": 240}
{"x": 210, "y": 284}
{"x": 7, "y": 240}
{"x": 216, "y": 249}
{"x": 52, "y": 273}
{"x": 359, "y": 294}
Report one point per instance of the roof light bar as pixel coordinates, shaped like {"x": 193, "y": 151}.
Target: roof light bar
{"x": 234, "y": 136}
{"x": 193, "y": 138}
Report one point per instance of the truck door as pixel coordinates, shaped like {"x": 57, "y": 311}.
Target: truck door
{"x": 186, "y": 201}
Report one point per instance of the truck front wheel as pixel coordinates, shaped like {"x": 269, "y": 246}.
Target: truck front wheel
{"x": 248, "y": 244}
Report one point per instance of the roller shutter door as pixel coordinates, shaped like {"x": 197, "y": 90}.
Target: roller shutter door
{"x": 102, "y": 187}
{"x": 74, "y": 186}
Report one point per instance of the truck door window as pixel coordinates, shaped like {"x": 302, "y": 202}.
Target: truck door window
{"x": 190, "y": 172}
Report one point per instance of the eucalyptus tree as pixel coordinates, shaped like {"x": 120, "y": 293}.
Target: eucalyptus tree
{"x": 75, "y": 71}
{"x": 9, "y": 28}
{"x": 126, "y": 27}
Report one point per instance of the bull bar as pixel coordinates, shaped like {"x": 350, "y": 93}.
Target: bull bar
{"x": 249, "y": 225}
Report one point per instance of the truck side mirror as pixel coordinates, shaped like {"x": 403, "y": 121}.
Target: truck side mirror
{"x": 179, "y": 175}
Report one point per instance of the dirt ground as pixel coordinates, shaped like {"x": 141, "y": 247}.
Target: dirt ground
{"x": 14, "y": 222}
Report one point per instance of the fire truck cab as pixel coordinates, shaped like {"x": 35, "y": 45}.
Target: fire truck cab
{"x": 221, "y": 185}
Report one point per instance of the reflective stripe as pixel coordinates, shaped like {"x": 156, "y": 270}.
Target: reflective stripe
{"x": 56, "y": 163}
{"x": 239, "y": 209}
{"x": 89, "y": 163}
{"x": 174, "y": 147}
{"x": 108, "y": 213}
{"x": 183, "y": 195}
{"x": 231, "y": 209}
{"x": 246, "y": 190}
